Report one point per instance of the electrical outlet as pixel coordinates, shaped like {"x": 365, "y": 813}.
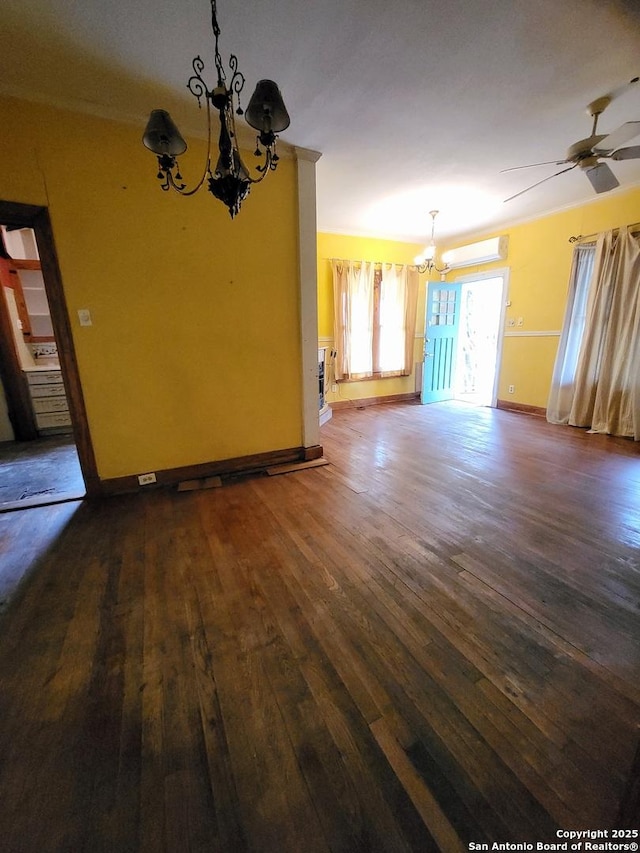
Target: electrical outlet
{"x": 520, "y": 321}
{"x": 511, "y": 389}
{"x": 146, "y": 479}
{"x": 334, "y": 388}
{"x": 511, "y": 322}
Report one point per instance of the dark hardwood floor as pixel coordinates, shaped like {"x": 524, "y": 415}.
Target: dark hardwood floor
{"x": 431, "y": 641}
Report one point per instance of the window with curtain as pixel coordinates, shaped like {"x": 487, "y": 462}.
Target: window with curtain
{"x": 374, "y": 319}
{"x": 596, "y": 379}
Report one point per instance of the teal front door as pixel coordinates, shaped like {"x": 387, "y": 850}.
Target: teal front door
{"x": 442, "y": 322}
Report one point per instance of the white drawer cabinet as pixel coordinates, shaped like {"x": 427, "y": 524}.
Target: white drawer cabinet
{"x": 49, "y": 401}
{"x": 36, "y": 376}
{"x": 44, "y": 405}
{"x": 56, "y": 389}
{"x": 54, "y": 420}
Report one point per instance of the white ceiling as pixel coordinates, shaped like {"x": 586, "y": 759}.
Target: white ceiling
{"x": 414, "y": 104}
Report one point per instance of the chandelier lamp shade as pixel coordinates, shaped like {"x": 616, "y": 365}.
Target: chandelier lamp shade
{"x": 225, "y": 174}
{"x": 426, "y": 261}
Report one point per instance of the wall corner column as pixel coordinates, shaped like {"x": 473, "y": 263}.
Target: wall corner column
{"x": 307, "y": 258}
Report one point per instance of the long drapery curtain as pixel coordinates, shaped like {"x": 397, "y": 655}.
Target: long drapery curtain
{"x": 604, "y": 393}
{"x": 564, "y": 372}
{"x": 393, "y": 298}
{"x": 353, "y": 318}
{"x": 398, "y": 305}
{"x": 374, "y": 319}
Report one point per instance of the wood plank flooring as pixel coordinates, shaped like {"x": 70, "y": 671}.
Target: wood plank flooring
{"x": 432, "y": 640}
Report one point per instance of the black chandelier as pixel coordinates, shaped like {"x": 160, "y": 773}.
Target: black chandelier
{"x": 230, "y": 180}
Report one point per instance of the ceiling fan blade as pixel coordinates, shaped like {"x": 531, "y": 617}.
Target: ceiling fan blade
{"x": 530, "y": 165}
{"x": 548, "y": 178}
{"x": 626, "y": 153}
{"x": 602, "y": 178}
{"x": 614, "y": 140}
{"x": 620, "y": 90}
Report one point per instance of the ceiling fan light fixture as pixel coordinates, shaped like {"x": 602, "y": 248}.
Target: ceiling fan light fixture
{"x": 588, "y": 162}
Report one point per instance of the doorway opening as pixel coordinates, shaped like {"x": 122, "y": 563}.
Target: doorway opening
{"x": 464, "y": 322}
{"x": 33, "y": 470}
{"x": 45, "y": 451}
{"x": 478, "y": 338}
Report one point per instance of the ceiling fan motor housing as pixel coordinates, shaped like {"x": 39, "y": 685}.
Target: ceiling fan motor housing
{"x": 583, "y": 149}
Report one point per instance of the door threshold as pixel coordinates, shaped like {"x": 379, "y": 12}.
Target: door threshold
{"x": 42, "y": 500}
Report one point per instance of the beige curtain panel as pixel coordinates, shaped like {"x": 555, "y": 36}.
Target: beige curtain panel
{"x": 353, "y": 318}
{"x": 605, "y": 393}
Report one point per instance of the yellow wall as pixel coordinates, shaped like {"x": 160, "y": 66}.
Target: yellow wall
{"x": 367, "y": 249}
{"x": 194, "y": 351}
{"x": 539, "y": 261}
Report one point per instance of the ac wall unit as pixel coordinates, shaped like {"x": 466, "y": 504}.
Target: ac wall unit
{"x": 494, "y": 249}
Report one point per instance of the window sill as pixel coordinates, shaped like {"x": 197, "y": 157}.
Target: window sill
{"x": 372, "y": 377}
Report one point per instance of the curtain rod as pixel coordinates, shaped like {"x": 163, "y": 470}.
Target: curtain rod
{"x": 375, "y": 263}
{"x": 581, "y": 237}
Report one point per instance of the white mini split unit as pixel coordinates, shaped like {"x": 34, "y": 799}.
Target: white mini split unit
{"x": 484, "y": 252}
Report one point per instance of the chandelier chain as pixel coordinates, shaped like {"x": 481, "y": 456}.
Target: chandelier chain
{"x": 216, "y": 35}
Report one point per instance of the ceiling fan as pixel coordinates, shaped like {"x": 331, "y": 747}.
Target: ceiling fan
{"x": 588, "y": 153}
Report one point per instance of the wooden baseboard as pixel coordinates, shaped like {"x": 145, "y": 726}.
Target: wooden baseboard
{"x": 411, "y": 397}
{"x": 523, "y": 408}
{"x": 255, "y": 464}
{"x": 313, "y": 452}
